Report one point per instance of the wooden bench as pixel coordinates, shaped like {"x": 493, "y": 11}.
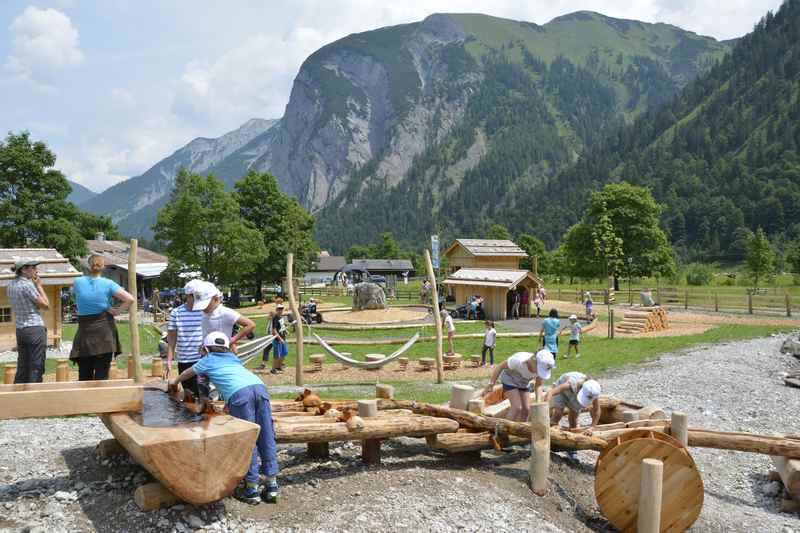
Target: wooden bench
{"x": 426, "y": 363}
{"x": 403, "y": 363}
{"x": 452, "y": 362}
{"x": 317, "y": 359}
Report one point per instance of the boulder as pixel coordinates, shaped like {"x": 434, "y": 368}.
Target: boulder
{"x": 368, "y": 296}
{"x": 791, "y": 346}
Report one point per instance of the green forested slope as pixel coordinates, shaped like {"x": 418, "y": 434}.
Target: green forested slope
{"x": 545, "y": 95}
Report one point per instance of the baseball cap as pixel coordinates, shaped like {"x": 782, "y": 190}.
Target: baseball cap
{"x": 191, "y": 286}
{"x": 589, "y": 392}
{"x": 217, "y": 338}
{"x": 22, "y": 263}
{"x": 203, "y": 293}
{"x": 545, "y": 362}
{"x": 573, "y": 317}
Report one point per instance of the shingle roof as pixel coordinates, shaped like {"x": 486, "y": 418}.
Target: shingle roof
{"x": 489, "y": 277}
{"x": 381, "y": 265}
{"x": 329, "y": 263}
{"x": 489, "y": 247}
{"x": 116, "y": 252}
{"x": 55, "y": 269}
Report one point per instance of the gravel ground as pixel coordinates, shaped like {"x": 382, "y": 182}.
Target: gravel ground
{"x": 51, "y": 480}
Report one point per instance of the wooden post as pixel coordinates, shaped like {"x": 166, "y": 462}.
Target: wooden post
{"x": 559, "y": 294}
{"x": 610, "y": 322}
{"x": 649, "y": 518}
{"x": 156, "y": 367}
{"x": 686, "y": 299}
{"x": 133, "y": 312}
{"x": 298, "y": 366}
{"x": 679, "y": 427}
{"x": 788, "y": 305}
{"x": 9, "y": 373}
{"x": 131, "y": 368}
{"x": 370, "y": 448}
{"x": 437, "y": 318}
{"x": 540, "y": 447}
{"x": 385, "y": 392}
{"x": 460, "y": 396}
{"x": 750, "y": 303}
{"x": 716, "y": 302}
{"x": 535, "y": 265}
{"x": 62, "y": 370}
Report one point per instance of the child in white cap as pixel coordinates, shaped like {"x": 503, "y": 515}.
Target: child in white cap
{"x": 516, "y": 374}
{"x": 574, "y": 336}
{"x": 575, "y": 392}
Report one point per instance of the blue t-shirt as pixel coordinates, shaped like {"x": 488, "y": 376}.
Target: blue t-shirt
{"x": 551, "y": 327}
{"x": 93, "y": 295}
{"x": 226, "y": 372}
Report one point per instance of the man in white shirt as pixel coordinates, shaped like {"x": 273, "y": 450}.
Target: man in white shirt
{"x": 217, "y": 317}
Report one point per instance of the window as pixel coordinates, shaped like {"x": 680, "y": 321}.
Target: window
{"x": 5, "y": 314}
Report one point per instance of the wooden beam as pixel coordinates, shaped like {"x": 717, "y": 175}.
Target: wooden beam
{"x": 374, "y": 428}
{"x": 67, "y": 385}
{"x": 437, "y": 318}
{"x": 75, "y": 401}
{"x": 298, "y": 365}
{"x": 133, "y": 312}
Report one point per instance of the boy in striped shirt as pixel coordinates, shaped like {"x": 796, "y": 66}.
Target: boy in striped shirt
{"x": 184, "y": 337}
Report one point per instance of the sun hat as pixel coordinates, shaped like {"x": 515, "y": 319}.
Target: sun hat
{"x": 545, "y": 362}
{"x": 22, "y": 263}
{"x": 573, "y": 317}
{"x": 191, "y": 286}
{"x": 588, "y": 393}
{"x": 280, "y": 306}
{"x": 217, "y": 338}
{"x": 203, "y": 293}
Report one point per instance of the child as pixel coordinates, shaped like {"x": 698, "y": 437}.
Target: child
{"x": 589, "y": 304}
{"x": 246, "y": 397}
{"x": 451, "y": 331}
{"x": 489, "y": 340}
{"x": 575, "y": 335}
{"x": 538, "y": 303}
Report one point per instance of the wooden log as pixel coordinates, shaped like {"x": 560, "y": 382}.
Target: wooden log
{"x": 370, "y": 448}
{"x": 651, "y": 412}
{"x": 131, "y": 368}
{"x": 9, "y": 373}
{"x": 437, "y": 317}
{"x": 789, "y": 472}
{"x": 367, "y": 408}
{"x": 374, "y": 428}
{"x": 558, "y": 437}
{"x": 403, "y": 363}
{"x": 460, "y": 396}
{"x": 475, "y": 405}
{"x": 385, "y": 392}
{"x": 156, "y": 367}
{"x": 744, "y": 442}
{"x": 317, "y": 360}
{"x": 313, "y": 418}
{"x": 649, "y": 517}
{"x": 470, "y": 442}
{"x": 540, "y": 447}
{"x": 373, "y": 357}
{"x": 62, "y": 370}
{"x": 298, "y": 364}
{"x": 679, "y": 427}
{"x": 108, "y": 448}
{"x": 154, "y": 496}
{"x": 69, "y": 401}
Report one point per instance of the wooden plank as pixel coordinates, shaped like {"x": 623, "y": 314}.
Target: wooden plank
{"x": 65, "y": 402}
{"x": 64, "y": 385}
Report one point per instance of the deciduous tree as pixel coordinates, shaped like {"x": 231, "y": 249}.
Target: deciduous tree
{"x": 760, "y": 260}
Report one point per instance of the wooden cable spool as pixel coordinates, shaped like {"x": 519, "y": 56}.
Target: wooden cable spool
{"x": 617, "y": 480}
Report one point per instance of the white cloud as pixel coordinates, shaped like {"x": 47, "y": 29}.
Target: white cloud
{"x": 43, "y": 40}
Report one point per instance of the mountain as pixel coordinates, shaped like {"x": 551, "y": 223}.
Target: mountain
{"x": 449, "y": 116}
{"x": 722, "y": 156}
{"x": 79, "y": 193}
{"x": 133, "y": 203}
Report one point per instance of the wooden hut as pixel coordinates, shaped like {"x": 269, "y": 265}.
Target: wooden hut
{"x": 483, "y": 253}
{"x": 56, "y": 272}
{"x": 493, "y": 285}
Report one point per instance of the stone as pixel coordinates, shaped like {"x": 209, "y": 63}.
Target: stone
{"x": 368, "y": 296}
{"x": 195, "y": 522}
{"x": 772, "y": 488}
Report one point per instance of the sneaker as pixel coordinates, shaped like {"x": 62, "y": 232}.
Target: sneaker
{"x": 577, "y": 355}
{"x": 274, "y": 371}
{"x": 572, "y": 455}
{"x": 248, "y": 494}
{"x": 261, "y": 367}
{"x": 270, "y": 493}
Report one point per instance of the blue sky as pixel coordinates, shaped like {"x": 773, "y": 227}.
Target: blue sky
{"x": 113, "y": 86}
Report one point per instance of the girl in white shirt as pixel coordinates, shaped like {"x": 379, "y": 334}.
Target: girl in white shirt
{"x": 489, "y": 341}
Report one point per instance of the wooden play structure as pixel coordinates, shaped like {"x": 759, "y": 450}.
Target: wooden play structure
{"x": 56, "y": 273}
{"x": 643, "y": 320}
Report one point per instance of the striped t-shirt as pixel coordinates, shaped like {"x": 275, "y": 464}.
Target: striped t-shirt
{"x": 189, "y": 325}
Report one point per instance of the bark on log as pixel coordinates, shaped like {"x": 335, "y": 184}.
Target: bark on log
{"x": 558, "y": 437}
{"x": 374, "y": 428}
{"x": 744, "y": 442}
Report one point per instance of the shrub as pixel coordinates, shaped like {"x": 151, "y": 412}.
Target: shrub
{"x": 698, "y": 274}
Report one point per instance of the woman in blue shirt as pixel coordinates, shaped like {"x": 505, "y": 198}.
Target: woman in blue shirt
{"x": 548, "y": 335}
{"x": 97, "y": 340}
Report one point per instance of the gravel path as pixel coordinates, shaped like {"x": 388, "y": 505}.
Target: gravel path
{"x": 51, "y": 480}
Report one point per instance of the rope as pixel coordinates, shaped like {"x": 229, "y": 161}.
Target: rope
{"x": 365, "y": 364}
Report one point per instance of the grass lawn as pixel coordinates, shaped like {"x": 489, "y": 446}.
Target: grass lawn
{"x": 598, "y": 355}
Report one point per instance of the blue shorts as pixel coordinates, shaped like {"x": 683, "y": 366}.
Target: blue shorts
{"x": 512, "y": 387}
{"x": 281, "y": 350}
